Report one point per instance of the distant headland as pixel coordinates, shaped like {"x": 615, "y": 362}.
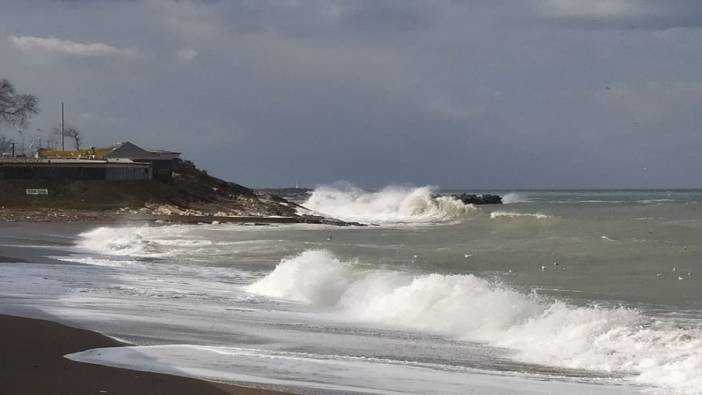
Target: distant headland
{"x": 128, "y": 181}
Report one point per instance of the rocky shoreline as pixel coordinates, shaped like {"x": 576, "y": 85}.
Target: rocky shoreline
{"x": 191, "y": 197}
{"x": 53, "y": 215}
{"x": 107, "y": 217}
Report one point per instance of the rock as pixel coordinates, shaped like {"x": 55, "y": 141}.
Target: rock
{"x": 479, "y": 199}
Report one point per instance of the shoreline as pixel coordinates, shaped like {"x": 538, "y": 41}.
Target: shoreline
{"x": 32, "y": 362}
{"x": 110, "y": 217}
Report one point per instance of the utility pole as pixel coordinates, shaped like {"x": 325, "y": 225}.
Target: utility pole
{"x": 63, "y": 135}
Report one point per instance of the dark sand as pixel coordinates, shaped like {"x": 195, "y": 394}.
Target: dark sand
{"x": 32, "y": 363}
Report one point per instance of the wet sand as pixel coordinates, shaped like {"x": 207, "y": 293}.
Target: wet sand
{"x": 32, "y": 362}
{"x": 32, "y": 350}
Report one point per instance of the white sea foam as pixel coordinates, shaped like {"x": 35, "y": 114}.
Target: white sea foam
{"x": 539, "y": 330}
{"x": 98, "y": 261}
{"x": 514, "y": 197}
{"x": 513, "y": 214}
{"x": 142, "y": 241}
{"x": 165, "y": 241}
{"x": 329, "y": 373}
{"x": 393, "y": 204}
{"x": 607, "y": 238}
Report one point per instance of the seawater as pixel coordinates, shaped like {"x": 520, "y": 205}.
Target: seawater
{"x": 554, "y": 292}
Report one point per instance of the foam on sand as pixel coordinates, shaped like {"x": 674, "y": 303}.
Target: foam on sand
{"x": 539, "y": 330}
{"x": 329, "y": 373}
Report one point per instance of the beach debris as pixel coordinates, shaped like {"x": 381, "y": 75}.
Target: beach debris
{"x": 467, "y": 256}
{"x": 555, "y": 263}
{"x": 329, "y": 238}
{"x": 543, "y": 268}
{"x": 680, "y": 278}
{"x": 675, "y": 269}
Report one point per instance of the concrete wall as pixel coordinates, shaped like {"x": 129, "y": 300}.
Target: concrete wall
{"x": 74, "y": 172}
{"x": 115, "y": 173}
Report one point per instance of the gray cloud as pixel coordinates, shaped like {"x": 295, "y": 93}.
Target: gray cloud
{"x": 508, "y": 94}
{"x": 645, "y": 14}
{"x": 66, "y": 47}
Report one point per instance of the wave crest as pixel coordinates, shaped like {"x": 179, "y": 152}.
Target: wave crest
{"x": 512, "y": 214}
{"x": 467, "y": 307}
{"x": 142, "y": 241}
{"x": 392, "y": 204}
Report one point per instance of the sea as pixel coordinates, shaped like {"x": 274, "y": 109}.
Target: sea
{"x": 552, "y": 292}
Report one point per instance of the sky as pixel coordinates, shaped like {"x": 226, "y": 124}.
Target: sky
{"x": 477, "y": 94}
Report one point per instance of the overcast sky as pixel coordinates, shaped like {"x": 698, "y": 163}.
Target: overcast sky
{"x": 467, "y": 94}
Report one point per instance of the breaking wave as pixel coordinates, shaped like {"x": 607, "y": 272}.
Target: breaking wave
{"x": 146, "y": 241}
{"x": 124, "y": 241}
{"x": 393, "y": 204}
{"x": 539, "y": 330}
{"x": 179, "y": 241}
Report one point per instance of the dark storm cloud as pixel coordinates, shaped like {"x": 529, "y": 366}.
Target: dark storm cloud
{"x": 453, "y": 93}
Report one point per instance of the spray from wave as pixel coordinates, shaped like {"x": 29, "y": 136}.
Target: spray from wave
{"x": 539, "y": 330}
{"x": 514, "y": 197}
{"x": 393, "y": 204}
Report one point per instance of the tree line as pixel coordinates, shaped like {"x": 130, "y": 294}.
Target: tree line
{"x": 16, "y": 109}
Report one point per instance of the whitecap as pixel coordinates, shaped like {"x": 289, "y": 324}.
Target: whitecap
{"x": 392, "y": 204}
{"x": 537, "y": 329}
{"x": 512, "y": 214}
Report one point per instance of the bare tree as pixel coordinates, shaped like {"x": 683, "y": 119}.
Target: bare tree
{"x": 72, "y": 133}
{"x": 15, "y": 109}
{"x": 5, "y": 144}
{"x": 53, "y": 138}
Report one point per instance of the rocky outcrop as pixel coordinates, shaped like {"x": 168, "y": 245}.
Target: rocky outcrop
{"x": 479, "y": 199}
{"x": 191, "y": 196}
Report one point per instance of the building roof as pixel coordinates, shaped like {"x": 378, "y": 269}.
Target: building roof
{"x": 29, "y": 162}
{"x": 125, "y": 150}
{"x": 133, "y": 151}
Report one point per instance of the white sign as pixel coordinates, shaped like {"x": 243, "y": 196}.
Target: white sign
{"x": 37, "y": 191}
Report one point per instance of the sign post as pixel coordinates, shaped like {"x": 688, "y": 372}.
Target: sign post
{"x": 39, "y": 191}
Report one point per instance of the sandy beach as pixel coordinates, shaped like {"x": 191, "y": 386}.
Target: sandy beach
{"x": 32, "y": 350}
{"x": 32, "y": 362}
